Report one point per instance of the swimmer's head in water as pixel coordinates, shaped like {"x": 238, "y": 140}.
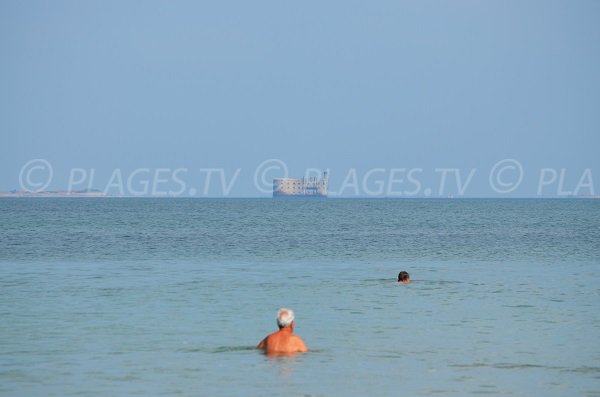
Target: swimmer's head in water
{"x": 285, "y": 317}
{"x": 403, "y": 277}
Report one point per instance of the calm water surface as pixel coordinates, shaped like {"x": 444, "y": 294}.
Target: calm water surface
{"x": 168, "y": 297}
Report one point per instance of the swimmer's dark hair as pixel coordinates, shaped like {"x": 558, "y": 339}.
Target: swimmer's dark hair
{"x": 403, "y": 276}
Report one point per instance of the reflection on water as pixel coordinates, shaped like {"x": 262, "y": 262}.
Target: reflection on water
{"x": 285, "y": 365}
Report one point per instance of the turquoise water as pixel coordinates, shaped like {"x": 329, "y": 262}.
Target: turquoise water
{"x": 168, "y": 296}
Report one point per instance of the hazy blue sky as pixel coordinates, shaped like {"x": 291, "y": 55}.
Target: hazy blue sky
{"x": 338, "y": 85}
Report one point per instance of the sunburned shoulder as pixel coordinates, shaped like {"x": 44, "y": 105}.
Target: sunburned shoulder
{"x": 300, "y": 344}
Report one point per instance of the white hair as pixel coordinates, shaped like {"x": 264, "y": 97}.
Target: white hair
{"x": 285, "y": 317}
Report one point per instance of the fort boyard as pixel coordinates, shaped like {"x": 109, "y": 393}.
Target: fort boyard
{"x": 302, "y": 187}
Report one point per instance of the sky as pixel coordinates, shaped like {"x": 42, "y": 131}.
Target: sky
{"x": 492, "y": 98}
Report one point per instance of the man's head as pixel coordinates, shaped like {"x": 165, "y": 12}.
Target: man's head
{"x": 403, "y": 277}
{"x": 285, "y": 318}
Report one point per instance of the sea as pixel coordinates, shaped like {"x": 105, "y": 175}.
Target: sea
{"x": 170, "y": 296}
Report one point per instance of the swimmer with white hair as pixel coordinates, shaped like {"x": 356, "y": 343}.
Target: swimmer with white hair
{"x": 283, "y": 342}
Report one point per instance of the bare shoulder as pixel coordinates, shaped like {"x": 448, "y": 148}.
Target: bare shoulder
{"x": 263, "y": 343}
{"x": 300, "y": 345}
